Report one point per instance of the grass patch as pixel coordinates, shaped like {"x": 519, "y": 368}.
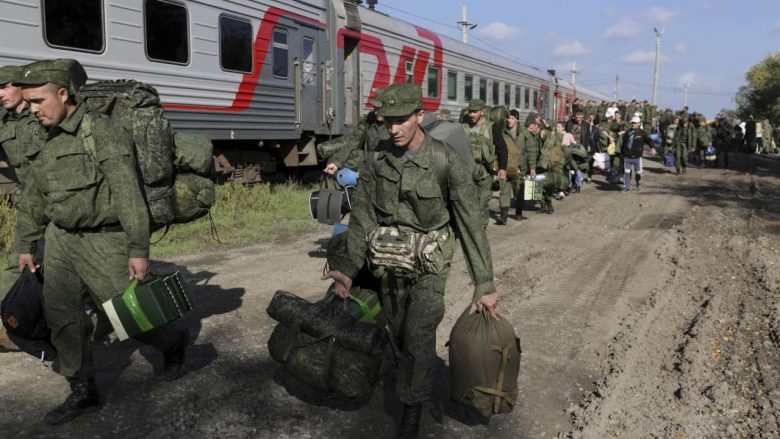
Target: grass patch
{"x": 242, "y": 216}
{"x": 7, "y": 224}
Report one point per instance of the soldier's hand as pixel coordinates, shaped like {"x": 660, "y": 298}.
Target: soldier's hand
{"x": 489, "y": 301}
{"x": 138, "y": 268}
{"x": 330, "y": 169}
{"x": 26, "y": 261}
{"x": 533, "y": 173}
{"x": 343, "y": 283}
{"x": 502, "y": 174}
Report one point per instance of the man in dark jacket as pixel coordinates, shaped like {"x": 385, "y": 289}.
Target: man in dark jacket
{"x": 634, "y": 142}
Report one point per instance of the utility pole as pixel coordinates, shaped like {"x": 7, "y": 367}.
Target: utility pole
{"x": 615, "y": 91}
{"x": 658, "y": 35}
{"x": 685, "y": 87}
{"x": 574, "y": 72}
{"x": 465, "y": 25}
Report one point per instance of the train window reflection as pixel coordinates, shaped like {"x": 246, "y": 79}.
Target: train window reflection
{"x": 167, "y": 32}
{"x": 483, "y": 89}
{"x": 496, "y": 93}
{"x": 235, "y": 44}
{"x": 74, "y": 25}
{"x": 281, "y": 54}
{"x": 469, "y": 87}
{"x": 452, "y": 85}
{"x": 433, "y": 82}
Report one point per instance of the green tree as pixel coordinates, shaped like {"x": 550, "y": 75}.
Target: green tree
{"x": 761, "y": 95}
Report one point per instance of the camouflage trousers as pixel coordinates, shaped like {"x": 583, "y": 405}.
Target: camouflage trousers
{"x": 415, "y": 308}
{"x": 484, "y": 181}
{"x": 77, "y": 266}
{"x": 511, "y": 188}
{"x": 681, "y": 157}
{"x": 554, "y": 182}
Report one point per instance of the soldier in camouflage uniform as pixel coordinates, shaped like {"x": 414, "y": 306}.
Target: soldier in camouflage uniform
{"x": 703, "y": 139}
{"x": 16, "y": 126}
{"x": 617, "y": 127}
{"x": 366, "y": 136}
{"x": 512, "y": 165}
{"x": 400, "y": 193}
{"x": 721, "y": 140}
{"x": 553, "y": 161}
{"x": 95, "y": 220}
{"x": 479, "y": 130}
{"x": 682, "y": 143}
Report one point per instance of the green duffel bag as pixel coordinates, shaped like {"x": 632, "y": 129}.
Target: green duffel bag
{"x": 322, "y": 364}
{"x": 484, "y": 363}
{"x": 193, "y": 196}
{"x": 194, "y": 153}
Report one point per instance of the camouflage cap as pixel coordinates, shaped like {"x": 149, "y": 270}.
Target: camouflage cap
{"x": 9, "y": 74}
{"x": 67, "y": 73}
{"x": 398, "y": 100}
{"x": 476, "y": 105}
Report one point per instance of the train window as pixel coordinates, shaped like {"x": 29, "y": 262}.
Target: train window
{"x": 433, "y": 82}
{"x": 527, "y": 100}
{"x": 235, "y": 44}
{"x": 508, "y": 95}
{"x": 536, "y": 99}
{"x": 74, "y": 25}
{"x": 281, "y": 66}
{"x": 517, "y": 96}
{"x": 409, "y": 79}
{"x": 167, "y": 32}
{"x": 469, "y": 87}
{"x": 496, "y": 93}
{"x": 483, "y": 89}
{"x": 452, "y": 85}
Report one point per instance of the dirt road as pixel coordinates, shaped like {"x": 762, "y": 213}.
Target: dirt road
{"x": 647, "y": 314}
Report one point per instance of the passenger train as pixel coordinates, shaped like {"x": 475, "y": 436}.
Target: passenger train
{"x": 267, "y": 80}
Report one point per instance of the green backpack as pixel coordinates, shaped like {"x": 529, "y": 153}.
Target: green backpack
{"x": 137, "y": 107}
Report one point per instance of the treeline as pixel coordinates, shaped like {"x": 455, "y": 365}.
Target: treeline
{"x": 760, "y": 97}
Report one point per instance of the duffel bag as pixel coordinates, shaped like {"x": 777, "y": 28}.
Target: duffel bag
{"x": 23, "y": 316}
{"x": 321, "y": 363}
{"x": 484, "y": 363}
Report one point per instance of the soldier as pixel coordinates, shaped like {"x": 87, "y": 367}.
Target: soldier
{"x": 681, "y": 144}
{"x": 95, "y": 221}
{"x": 617, "y": 128}
{"x": 721, "y": 140}
{"x": 479, "y": 130}
{"x": 512, "y": 165}
{"x": 552, "y": 160}
{"x": 366, "y": 136}
{"x": 16, "y": 128}
{"x": 401, "y": 193}
{"x": 703, "y": 140}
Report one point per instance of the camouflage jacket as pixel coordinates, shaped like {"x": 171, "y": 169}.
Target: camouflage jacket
{"x": 74, "y": 190}
{"x": 532, "y": 145}
{"x": 16, "y": 131}
{"x": 704, "y": 136}
{"x": 405, "y": 193}
{"x": 515, "y": 148}
{"x": 553, "y": 158}
{"x": 482, "y": 143}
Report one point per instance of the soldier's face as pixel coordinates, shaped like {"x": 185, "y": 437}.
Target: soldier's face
{"x": 511, "y": 122}
{"x": 405, "y": 130}
{"x": 10, "y": 96}
{"x": 47, "y": 103}
{"x": 476, "y": 115}
{"x": 579, "y": 117}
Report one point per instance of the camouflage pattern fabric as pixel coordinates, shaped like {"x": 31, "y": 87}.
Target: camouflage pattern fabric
{"x": 194, "y": 153}
{"x": 193, "y": 196}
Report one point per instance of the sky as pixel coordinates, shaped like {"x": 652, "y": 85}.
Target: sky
{"x": 708, "y": 44}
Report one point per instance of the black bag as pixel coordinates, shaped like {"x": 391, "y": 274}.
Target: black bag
{"x": 23, "y": 316}
{"x": 614, "y": 175}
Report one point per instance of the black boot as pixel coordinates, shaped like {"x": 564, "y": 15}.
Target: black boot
{"x": 83, "y": 399}
{"x": 550, "y": 209}
{"x": 503, "y": 216}
{"x": 519, "y": 213}
{"x": 173, "y": 357}
{"x": 410, "y": 422}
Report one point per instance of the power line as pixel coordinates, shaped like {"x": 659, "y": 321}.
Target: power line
{"x": 451, "y": 26}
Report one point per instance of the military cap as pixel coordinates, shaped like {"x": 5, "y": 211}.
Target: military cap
{"x": 476, "y": 105}
{"x": 377, "y": 100}
{"x": 67, "y": 73}
{"x": 9, "y": 74}
{"x": 399, "y": 100}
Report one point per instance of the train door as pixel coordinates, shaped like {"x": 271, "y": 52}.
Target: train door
{"x": 351, "y": 82}
{"x": 308, "y": 81}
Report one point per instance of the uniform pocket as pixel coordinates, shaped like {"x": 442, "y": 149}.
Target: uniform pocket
{"x": 72, "y": 170}
{"x": 427, "y": 203}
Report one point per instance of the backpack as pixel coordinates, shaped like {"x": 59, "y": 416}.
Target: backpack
{"x": 484, "y": 356}
{"x": 23, "y": 316}
{"x": 137, "y": 107}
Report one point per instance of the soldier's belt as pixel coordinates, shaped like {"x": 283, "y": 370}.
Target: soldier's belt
{"x": 110, "y": 228}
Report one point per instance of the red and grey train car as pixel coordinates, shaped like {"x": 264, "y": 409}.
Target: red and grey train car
{"x": 266, "y": 80}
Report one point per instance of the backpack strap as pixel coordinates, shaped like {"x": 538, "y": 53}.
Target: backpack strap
{"x": 441, "y": 168}
{"x": 87, "y": 123}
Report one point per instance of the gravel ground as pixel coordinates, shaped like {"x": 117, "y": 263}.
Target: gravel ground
{"x": 646, "y": 314}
